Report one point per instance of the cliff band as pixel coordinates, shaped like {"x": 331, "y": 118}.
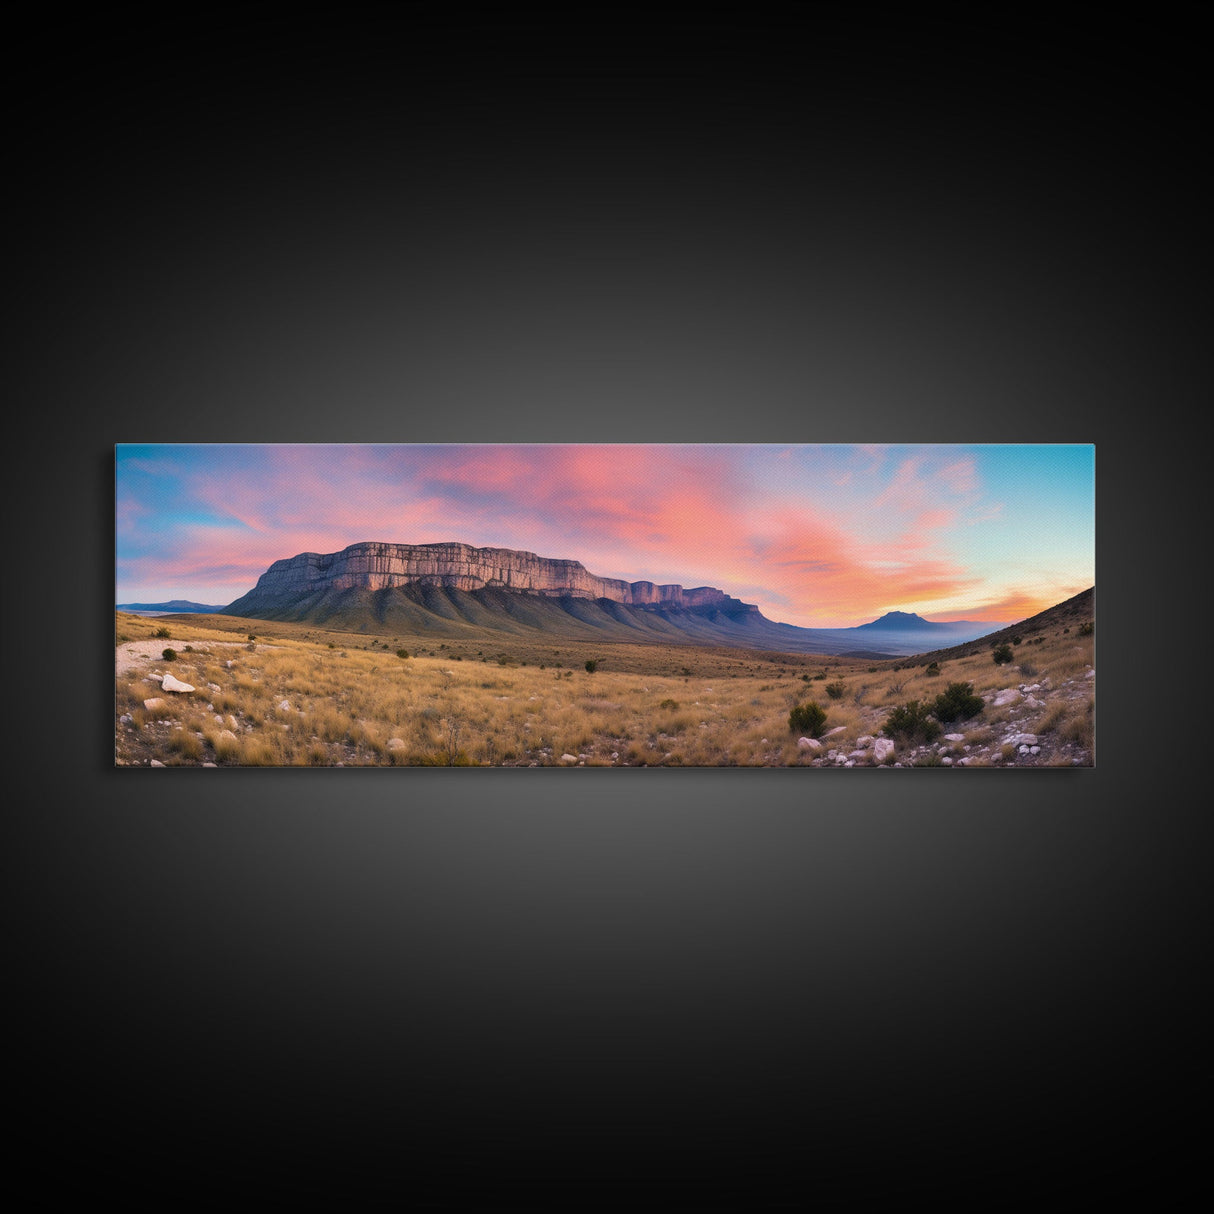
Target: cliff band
{"x": 378, "y": 566}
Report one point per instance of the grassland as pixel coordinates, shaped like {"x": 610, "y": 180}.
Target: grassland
{"x": 289, "y": 694}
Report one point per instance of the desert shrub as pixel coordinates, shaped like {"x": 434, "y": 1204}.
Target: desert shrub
{"x": 1002, "y": 654}
{"x": 164, "y": 632}
{"x": 911, "y": 723}
{"x": 932, "y": 759}
{"x": 835, "y": 690}
{"x": 958, "y": 703}
{"x": 671, "y": 704}
{"x": 1017, "y": 640}
{"x": 169, "y": 655}
{"x": 591, "y": 666}
{"x": 809, "y": 719}
{"x": 1028, "y": 669}
{"x": 402, "y": 653}
{"x": 933, "y": 668}
{"x": 1086, "y": 630}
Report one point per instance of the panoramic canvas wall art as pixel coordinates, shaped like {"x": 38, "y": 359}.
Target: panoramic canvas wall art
{"x": 590, "y": 605}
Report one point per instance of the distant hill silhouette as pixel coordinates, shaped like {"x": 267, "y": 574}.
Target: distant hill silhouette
{"x": 179, "y": 606}
{"x": 908, "y": 621}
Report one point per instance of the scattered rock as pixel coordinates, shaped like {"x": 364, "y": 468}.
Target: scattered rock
{"x": 864, "y": 742}
{"x": 568, "y": 758}
{"x": 171, "y": 684}
{"x": 1009, "y": 695}
{"x": 284, "y": 705}
{"x": 883, "y": 749}
{"x": 954, "y": 737}
{"x": 154, "y": 703}
{"x": 830, "y": 733}
{"x": 808, "y": 744}
{"x": 396, "y": 743}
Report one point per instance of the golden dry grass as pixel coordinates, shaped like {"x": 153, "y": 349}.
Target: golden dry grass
{"x": 301, "y": 696}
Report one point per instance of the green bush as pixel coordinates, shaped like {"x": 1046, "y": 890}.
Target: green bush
{"x": 1002, "y": 654}
{"x": 402, "y": 653}
{"x": 835, "y": 690}
{"x": 591, "y": 666}
{"x": 911, "y": 723}
{"x": 958, "y": 703}
{"x": 1086, "y": 630}
{"x": 933, "y": 669}
{"x": 164, "y": 632}
{"x": 808, "y": 719}
{"x": 669, "y": 704}
{"x": 169, "y": 655}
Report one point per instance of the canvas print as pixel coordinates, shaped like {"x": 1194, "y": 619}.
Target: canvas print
{"x": 863, "y": 607}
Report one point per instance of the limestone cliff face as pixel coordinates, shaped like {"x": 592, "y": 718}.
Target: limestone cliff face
{"x": 375, "y": 566}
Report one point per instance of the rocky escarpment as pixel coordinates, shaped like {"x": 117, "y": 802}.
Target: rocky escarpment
{"x": 379, "y": 566}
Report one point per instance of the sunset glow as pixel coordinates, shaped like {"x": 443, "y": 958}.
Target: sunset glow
{"x": 818, "y": 536}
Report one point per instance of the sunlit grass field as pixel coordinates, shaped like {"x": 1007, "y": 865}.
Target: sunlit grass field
{"x": 296, "y": 695}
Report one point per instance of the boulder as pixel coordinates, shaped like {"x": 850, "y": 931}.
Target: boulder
{"x": 1009, "y": 695}
{"x": 171, "y": 684}
{"x": 808, "y": 744}
{"x": 883, "y": 750}
{"x": 154, "y": 703}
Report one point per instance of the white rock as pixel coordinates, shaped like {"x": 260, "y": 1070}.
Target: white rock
{"x": 284, "y": 705}
{"x": 1033, "y": 702}
{"x": 396, "y": 743}
{"x": 154, "y": 703}
{"x": 1091, "y": 674}
{"x": 1024, "y": 750}
{"x": 1034, "y": 750}
{"x": 864, "y": 742}
{"x": 1009, "y": 695}
{"x": 208, "y": 763}
{"x": 214, "y": 687}
{"x": 857, "y": 754}
{"x": 883, "y": 749}
{"x": 231, "y": 721}
{"x": 946, "y": 761}
{"x": 830, "y": 733}
{"x": 226, "y": 735}
{"x": 155, "y": 763}
{"x": 808, "y": 744}
{"x": 126, "y": 718}
{"x": 954, "y": 737}
{"x": 568, "y": 758}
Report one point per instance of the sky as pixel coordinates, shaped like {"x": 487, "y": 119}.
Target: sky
{"x": 823, "y": 536}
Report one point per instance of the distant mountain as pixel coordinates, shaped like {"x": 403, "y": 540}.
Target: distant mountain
{"x": 908, "y": 621}
{"x": 173, "y": 606}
